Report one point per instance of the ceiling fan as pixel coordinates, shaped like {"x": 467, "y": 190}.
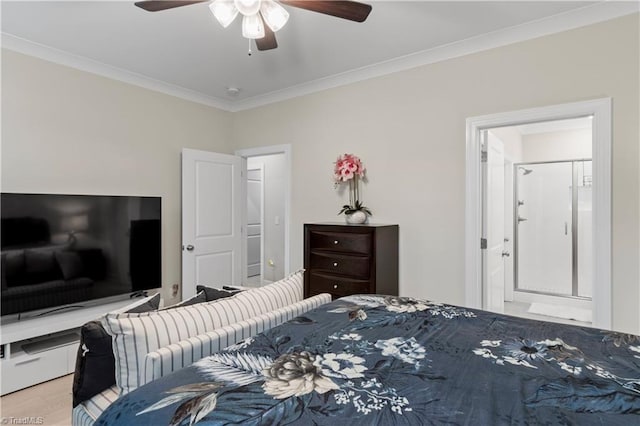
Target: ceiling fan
{"x": 257, "y": 13}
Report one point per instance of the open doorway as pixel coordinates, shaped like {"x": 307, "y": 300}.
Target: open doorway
{"x": 546, "y": 210}
{"x": 548, "y": 195}
{"x": 266, "y": 245}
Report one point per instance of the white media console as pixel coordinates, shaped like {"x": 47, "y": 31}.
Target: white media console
{"x": 42, "y": 348}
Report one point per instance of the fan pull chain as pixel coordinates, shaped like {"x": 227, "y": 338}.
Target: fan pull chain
{"x": 249, "y": 53}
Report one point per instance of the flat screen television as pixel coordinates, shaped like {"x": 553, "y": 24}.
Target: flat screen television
{"x": 61, "y": 251}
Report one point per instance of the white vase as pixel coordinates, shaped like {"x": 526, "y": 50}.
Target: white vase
{"x": 356, "y": 217}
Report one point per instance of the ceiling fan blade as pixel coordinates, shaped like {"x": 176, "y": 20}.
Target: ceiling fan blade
{"x": 351, "y": 10}
{"x": 267, "y": 42}
{"x": 158, "y": 5}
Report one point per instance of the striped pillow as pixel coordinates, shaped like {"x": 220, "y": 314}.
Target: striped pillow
{"x": 135, "y": 335}
{"x": 170, "y": 358}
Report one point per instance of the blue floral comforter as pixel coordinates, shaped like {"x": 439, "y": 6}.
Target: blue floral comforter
{"x": 364, "y": 360}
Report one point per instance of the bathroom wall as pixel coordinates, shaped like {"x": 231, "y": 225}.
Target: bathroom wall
{"x": 559, "y": 145}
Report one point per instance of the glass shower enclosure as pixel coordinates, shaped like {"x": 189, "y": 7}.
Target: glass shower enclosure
{"x": 553, "y": 228}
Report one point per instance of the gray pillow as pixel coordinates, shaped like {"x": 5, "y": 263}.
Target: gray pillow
{"x": 215, "y": 293}
{"x": 150, "y": 305}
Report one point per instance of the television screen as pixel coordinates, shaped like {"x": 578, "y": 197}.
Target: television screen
{"x": 60, "y": 250}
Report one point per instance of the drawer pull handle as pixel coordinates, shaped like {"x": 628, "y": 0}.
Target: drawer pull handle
{"x": 27, "y": 361}
{"x": 335, "y": 241}
{"x": 335, "y": 286}
{"x": 335, "y": 263}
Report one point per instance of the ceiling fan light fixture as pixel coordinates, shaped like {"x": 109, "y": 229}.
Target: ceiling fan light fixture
{"x": 252, "y": 27}
{"x": 274, "y": 15}
{"x": 225, "y": 11}
{"x": 262, "y": 18}
{"x": 247, "y": 7}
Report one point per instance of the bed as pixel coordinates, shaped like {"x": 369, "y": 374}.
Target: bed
{"x": 369, "y": 359}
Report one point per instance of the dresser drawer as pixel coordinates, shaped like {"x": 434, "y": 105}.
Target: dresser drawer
{"x": 338, "y": 286}
{"x": 354, "y": 266}
{"x": 342, "y": 242}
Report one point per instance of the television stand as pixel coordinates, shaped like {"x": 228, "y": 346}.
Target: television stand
{"x": 40, "y": 348}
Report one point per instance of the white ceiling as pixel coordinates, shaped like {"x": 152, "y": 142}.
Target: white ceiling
{"x": 185, "y": 49}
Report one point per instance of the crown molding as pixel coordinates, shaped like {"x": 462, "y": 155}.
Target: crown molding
{"x": 587, "y": 15}
{"x": 82, "y": 63}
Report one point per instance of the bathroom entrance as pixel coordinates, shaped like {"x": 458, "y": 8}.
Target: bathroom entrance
{"x": 544, "y": 218}
{"x": 550, "y": 167}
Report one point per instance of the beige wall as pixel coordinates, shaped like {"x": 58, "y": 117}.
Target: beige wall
{"x": 409, "y": 129}
{"x": 68, "y": 131}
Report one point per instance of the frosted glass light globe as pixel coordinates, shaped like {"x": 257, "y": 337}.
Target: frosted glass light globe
{"x": 225, "y": 11}
{"x": 248, "y": 7}
{"x": 252, "y": 27}
{"x": 274, "y": 15}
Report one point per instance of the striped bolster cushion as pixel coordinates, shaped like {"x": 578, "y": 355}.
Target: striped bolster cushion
{"x": 135, "y": 335}
{"x": 179, "y": 355}
{"x": 79, "y": 417}
{"x": 86, "y": 413}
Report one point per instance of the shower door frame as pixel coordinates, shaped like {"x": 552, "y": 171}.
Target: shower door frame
{"x": 574, "y": 228}
{"x": 600, "y": 111}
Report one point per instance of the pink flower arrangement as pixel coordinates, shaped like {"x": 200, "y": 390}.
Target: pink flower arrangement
{"x": 349, "y": 168}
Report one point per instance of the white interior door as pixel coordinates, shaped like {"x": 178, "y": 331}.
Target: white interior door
{"x": 213, "y": 214}
{"x": 509, "y": 279}
{"x": 493, "y": 219}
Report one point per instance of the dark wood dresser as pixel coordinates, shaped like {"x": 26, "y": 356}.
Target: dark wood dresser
{"x": 350, "y": 259}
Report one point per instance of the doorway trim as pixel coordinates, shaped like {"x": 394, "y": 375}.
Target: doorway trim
{"x": 600, "y": 110}
{"x": 270, "y": 150}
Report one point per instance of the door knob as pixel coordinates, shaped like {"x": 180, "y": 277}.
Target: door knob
{"x": 505, "y": 254}
{"x": 190, "y": 247}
